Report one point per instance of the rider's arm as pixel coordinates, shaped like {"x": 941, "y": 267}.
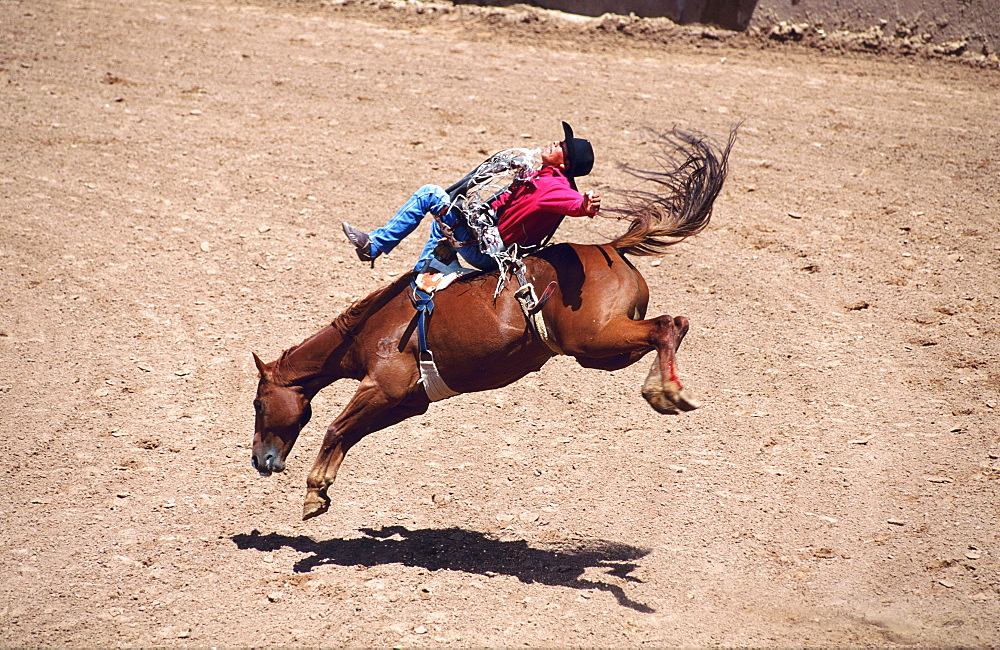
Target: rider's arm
{"x": 555, "y": 195}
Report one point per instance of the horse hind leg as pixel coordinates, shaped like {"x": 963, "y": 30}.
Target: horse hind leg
{"x": 662, "y": 388}
{"x": 622, "y": 341}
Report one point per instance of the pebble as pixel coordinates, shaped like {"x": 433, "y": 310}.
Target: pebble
{"x": 895, "y": 522}
{"x": 275, "y": 596}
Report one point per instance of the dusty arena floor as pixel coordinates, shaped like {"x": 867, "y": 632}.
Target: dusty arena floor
{"x": 172, "y": 180}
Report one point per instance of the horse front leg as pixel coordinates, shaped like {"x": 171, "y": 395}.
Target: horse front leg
{"x": 368, "y": 411}
{"x": 662, "y": 388}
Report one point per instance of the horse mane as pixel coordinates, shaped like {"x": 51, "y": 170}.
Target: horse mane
{"x": 692, "y": 171}
{"x": 346, "y": 325}
{"x": 349, "y": 322}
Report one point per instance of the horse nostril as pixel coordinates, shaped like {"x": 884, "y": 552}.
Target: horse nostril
{"x": 254, "y": 462}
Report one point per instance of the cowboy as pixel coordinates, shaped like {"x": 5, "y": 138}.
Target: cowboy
{"x": 527, "y": 215}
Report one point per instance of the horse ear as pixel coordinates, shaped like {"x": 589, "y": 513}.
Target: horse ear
{"x": 261, "y": 367}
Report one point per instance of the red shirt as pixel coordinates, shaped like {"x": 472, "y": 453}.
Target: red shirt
{"x": 534, "y": 209}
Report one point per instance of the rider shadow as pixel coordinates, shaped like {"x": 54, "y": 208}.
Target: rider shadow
{"x": 457, "y": 549}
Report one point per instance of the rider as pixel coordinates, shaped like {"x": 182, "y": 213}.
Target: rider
{"x": 528, "y": 214}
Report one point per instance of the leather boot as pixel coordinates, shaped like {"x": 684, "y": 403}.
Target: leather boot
{"x": 361, "y": 242}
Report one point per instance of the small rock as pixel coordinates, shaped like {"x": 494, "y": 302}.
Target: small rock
{"x": 946, "y": 583}
{"x": 973, "y": 553}
{"x": 263, "y": 229}
{"x": 206, "y": 247}
{"x": 420, "y": 629}
{"x": 276, "y": 596}
{"x": 895, "y": 522}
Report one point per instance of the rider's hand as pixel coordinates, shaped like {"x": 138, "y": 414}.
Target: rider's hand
{"x": 591, "y": 203}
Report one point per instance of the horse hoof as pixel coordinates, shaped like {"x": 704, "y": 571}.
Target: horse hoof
{"x": 670, "y": 403}
{"x": 658, "y": 400}
{"x": 685, "y": 402}
{"x": 314, "y": 507}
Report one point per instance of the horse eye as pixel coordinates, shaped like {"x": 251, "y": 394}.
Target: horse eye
{"x": 257, "y": 405}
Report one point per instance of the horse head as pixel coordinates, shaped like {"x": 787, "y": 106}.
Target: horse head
{"x": 281, "y": 413}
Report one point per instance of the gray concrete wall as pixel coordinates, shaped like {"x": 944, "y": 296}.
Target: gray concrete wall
{"x": 976, "y": 21}
{"x": 729, "y": 14}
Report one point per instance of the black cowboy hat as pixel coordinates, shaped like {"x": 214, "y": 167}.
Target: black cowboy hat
{"x": 579, "y": 154}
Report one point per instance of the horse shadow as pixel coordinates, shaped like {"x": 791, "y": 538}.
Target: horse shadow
{"x": 470, "y": 551}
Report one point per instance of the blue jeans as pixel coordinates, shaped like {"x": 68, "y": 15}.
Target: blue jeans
{"x": 429, "y": 198}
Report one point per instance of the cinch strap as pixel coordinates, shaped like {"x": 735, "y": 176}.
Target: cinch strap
{"x": 431, "y": 379}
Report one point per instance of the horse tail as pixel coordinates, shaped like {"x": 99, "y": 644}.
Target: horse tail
{"x": 691, "y": 176}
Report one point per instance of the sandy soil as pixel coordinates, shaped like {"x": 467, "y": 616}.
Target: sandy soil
{"x": 172, "y": 180}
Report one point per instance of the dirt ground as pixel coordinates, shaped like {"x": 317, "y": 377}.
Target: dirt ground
{"x": 172, "y": 180}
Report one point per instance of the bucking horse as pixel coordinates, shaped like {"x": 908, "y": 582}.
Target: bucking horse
{"x": 483, "y": 339}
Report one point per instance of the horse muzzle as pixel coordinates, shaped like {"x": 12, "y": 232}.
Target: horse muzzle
{"x": 267, "y": 462}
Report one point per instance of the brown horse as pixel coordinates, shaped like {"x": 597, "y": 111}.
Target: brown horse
{"x": 481, "y": 342}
